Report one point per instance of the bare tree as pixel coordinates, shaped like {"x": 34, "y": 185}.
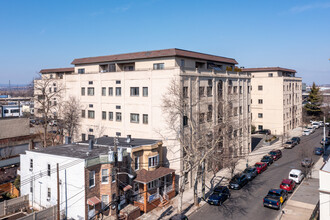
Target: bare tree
{"x": 47, "y": 93}
{"x": 70, "y": 116}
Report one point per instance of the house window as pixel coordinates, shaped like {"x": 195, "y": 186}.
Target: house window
{"x": 153, "y": 184}
{"x": 105, "y": 176}
{"x": 90, "y": 105}
{"x": 91, "y": 130}
{"x": 104, "y": 115}
{"x": 209, "y": 116}
{"x": 105, "y": 200}
{"x": 248, "y": 89}
{"x": 145, "y": 91}
{"x": 153, "y": 161}
{"x": 81, "y": 71}
{"x": 48, "y": 169}
{"x": 83, "y": 91}
{"x": 201, "y": 117}
{"x": 185, "y": 120}
{"x": 48, "y": 193}
{"x": 260, "y": 115}
{"x": 118, "y": 81}
{"x": 118, "y": 116}
{"x": 260, "y": 101}
{"x": 270, "y": 74}
{"x": 90, "y": 91}
{"x": 129, "y": 68}
{"x": 91, "y": 114}
{"x": 110, "y": 116}
{"x": 91, "y": 179}
{"x": 201, "y": 91}
{"x": 83, "y": 112}
{"x": 249, "y": 109}
{"x": 259, "y": 88}
{"x": 135, "y": 118}
{"x": 235, "y": 111}
{"x": 118, "y": 91}
{"x": 182, "y": 62}
{"x": 118, "y": 107}
{"x": 55, "y": 89}
{"x": 185, "y": 92}
{"x": 136, "y": 163}
{"x": 158, "y": 66}
{"x": 235, "y": 89}
{"x": 90, "y": 82}
{"x": 104, "y": 91}
{"x": 240, "y": 110}
{"x": 50, "y": 89}
{"x": 83, "y": 137}
{"x": 112, "y": 67}
{"x": 240, "y": 90}
{"x": 134, "y": 91}
{"x": 209, "y": 91}
{"x": 110, "y": 91}
{"x": 260, "y": 127}
{"x": 145, "y": 119}
{"x": 31, "y": 164}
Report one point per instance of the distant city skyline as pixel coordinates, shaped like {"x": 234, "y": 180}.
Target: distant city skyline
{"x": 49, "y": 34}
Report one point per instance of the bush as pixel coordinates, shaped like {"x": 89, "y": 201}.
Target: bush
{"x": 271, "y": 139}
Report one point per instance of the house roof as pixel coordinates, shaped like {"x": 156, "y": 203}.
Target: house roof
{"x": 122, "y": 141}
{"x": 145, "y": 176}
{"x": 154, "y": 54}
{"x": 263, "y": 69}
{"x": 57, "y": 70}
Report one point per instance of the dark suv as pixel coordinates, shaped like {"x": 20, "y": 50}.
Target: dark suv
{"x": 276, "y": 154}
{"x": 238, "y": 181}
{"x": 219, "y": 195}
{"x": 267, "y": 159}
{"x": 296, "y": 139}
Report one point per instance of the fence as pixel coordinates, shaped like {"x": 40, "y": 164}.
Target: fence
{"x": 47, "y": 214}
{"x": 14, "y": 205}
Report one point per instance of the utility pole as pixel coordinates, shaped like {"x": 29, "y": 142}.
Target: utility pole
{"x": 115, "y": 169}
{"x": 324, "y": 133}
{"x": 58, "y": 192}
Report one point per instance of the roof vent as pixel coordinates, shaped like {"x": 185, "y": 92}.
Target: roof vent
{"x": 129, "y": 138}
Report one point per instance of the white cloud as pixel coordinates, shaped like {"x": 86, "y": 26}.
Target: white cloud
{"x": 303, "y": 8}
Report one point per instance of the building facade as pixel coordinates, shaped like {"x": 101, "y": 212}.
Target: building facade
{"x": 324, "y": 190}
{"x": 276, "y": 99}
{"x": 123, "y": 94}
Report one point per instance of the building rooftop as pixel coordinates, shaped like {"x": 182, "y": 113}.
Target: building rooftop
{"x": 264, "y": 69}
{"x": 57, "y": 70}
{"x": 154, "y": 54}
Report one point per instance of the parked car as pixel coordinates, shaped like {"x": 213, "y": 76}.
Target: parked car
{"x": 290, "y": 144}
{"x": 267, "y": 159}
{"x": 296, "y": 139}
{"x": 250, "y": 172}
{"x": 275, "y": 198}
{"x": 306, "y": 132}
{"x": 238, "y": 181}
{"x": 318, "y": 150}
{"x": 219, "y": 195}
{"x": 296, "y": 175}
{"x": 307, "y": 162}
{"x": 264, "y": 131}
{"x": 315, "y": 124}
{"x": 327, "y": 141}
{"x": 311, "y": 129}
{"x": 261, "y": 167}
{"x": 288, "y": 185}
{"x": 276, "y": 154}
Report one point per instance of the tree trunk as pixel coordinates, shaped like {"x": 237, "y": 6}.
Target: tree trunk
{"x": 181, "y": 190}
{"x": 195, "y": 187}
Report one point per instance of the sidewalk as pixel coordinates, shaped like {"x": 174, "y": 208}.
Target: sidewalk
{"x": 304, "y": 200}
{"x": 223, "y": 177}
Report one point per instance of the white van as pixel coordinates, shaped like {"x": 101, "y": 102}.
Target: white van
{"x": 296, "y": 175}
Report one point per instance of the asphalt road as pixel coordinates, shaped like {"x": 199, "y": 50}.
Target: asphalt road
{"x": 247, "y": 202}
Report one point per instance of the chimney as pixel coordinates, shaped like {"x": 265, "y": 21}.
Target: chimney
{"x": 91, "y": 144}
{"x": 67, "y": 140}
{"x": 128, "y": 140}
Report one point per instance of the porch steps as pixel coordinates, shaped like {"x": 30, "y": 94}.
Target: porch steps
{"x": 164, "y": 203}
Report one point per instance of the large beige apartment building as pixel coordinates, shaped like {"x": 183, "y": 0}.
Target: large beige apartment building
{"x": 123, "y": 94}
{"x": 276, "y": 99}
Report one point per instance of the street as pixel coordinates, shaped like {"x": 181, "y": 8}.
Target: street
{"x": 247, "y": 202}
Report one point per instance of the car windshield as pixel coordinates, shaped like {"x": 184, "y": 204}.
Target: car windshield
{"x": 272, "y": 153}
{"x": 273, "y": 193}
{"x": 289, "y": 142}
{"x": 218, "y": 189}
{"x": 293, "y": 175}
{"x": 318, "y": 148}
{"x": 306, "y": 160}
{"x": 266, "y": 157}
{"x": 258, "y": 165}
{"x": 248, "y": 170}
{"x": 285, "y": 184}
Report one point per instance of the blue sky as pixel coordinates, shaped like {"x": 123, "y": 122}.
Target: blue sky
{"x": 50, "y": 34}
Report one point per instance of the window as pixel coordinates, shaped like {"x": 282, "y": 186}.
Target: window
{"x": 185, "y": 92}
{"x": 209, "y": 116}
{"x": 153, "y": 184}
{"x": 145, "y": 91}
{"x": 249, "y": 109}
{"x": 91, "y": 179}
{"x": 118, "y": 107}
{"x": 158, "y": 66}
{"x": 51, "y": 76}
{"x": 118, "y": 81}
{"x": 134, "y": 91}
{"x": 105, "y": 176}
{"x": 249, "y": 89}
{"x": 235, "y": 111}
{"x": 55, "y": 103}
{"x": 90, "y": 82}
{"x": 81, "y": 71}
{"x": 260, "y": 101}
{"x": 201, "y": 117}
{"x": 55, "y": 89}
{"x": 270, "y": 74}
{"x": 91, "y": 130}
{"x": 48, "y": 169}
{"x": 110, "y": 91}
{"x": 129, "y": 68}
{"x": 153, "y": 161}
{"x": 118, "y": 91}
{"x": 104, "y": 91}
{"x": 259, "y": 88}
{"x": 118, "y": 116}
{"x": 185, "y": 120}
{"x": 136, "y": 163}
{"x": 112, "y": 67}
{"x": 235, "y": 89}
{"x": 209, "y": 91}
{"x": 90, "y": 91}
{"x": 201, "y": 91}
{"x": 48, "y": 193}
{"x": 31, "y": 164}
{"x": 83, "y": 91}
{"x": 90, "y": 105}
{"x": 182, "y": 62}
{"x": 105, "y": 200}
{"x": 110, "y": 116}
{"x": 260, "y": 115}
{"x": 145, "y": 119}
{"x": 240, "y": 90}
{"x": 240, "y": 110}
{"x": 83, "y": 137}
{"x": 50, "y": 89}
{"x": 135, "y": 118}
{"x": 91, "y": 114}
{"x": 260, "y": 127}
{"x": 104, "y": 115}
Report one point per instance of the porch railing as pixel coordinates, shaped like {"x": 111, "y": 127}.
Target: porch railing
{"x": 169, "y": 188}
{"x": 153, "y": 197}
